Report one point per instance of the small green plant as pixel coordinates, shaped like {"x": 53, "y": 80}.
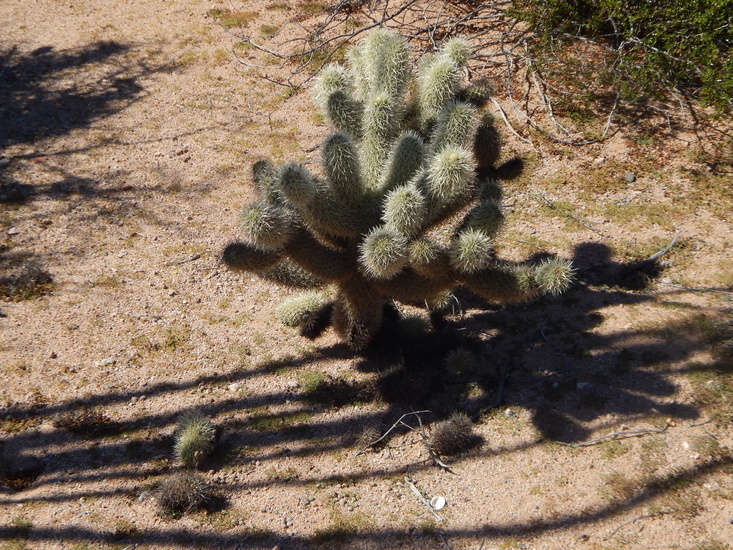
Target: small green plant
{"x": 183, "y": 492}
{"x": 453, "y": 435}
{"x": 27, "y": 282}
{"x": 195, "y": 439}
{"x": 397, "y": 167}
{"x": 229, "y": 18}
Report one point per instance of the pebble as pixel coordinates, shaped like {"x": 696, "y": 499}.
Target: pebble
{"x": 13, "y": 231}
{"x": 107, "y": 362}
{"x": 509, "y": 413}
{"x": 583, "y": 386}
{"x": 630, "y": 177}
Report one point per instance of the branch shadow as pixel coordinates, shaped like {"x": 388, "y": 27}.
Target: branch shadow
{"x": 39, "y": 98}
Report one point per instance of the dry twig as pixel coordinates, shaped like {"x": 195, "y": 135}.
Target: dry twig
{"x": 564, "y": 213}
{"x": 645, "y": 516}
{"x": 425, "y": 501}
{"x": 398, "y": 423}
{"x": 614, "y": 436}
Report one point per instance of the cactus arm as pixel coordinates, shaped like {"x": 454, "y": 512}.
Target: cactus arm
{"x": 411, "y": 286}
{"x": 357, "y": 314}
{"x": 324, "y": 262}
{"x": 239, "y": 256}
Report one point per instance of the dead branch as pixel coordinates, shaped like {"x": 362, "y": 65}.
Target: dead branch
{"x": 432, "y": 454}
{"x": 614, "y": 436}
{"x": 645, "y": 516}
{"x": 651, "y": 259}
{"x": 564, "y": 213}
{"x": 425, "y": 501}
{"x": 398, "y": 423}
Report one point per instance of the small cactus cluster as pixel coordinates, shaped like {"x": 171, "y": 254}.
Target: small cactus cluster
{"x": 408, "y": 156}
{"x": 194, "y": 439}
{"x": 183, "y": 492}
{"x": 453, "y": 435}
{"x": 188, "y": 490}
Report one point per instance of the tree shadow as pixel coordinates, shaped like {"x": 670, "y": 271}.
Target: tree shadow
{"x": 40, "y": 99}
{"x": 546, "y": 357}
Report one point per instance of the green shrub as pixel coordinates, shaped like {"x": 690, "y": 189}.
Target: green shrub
{"x": 684, "y": 44}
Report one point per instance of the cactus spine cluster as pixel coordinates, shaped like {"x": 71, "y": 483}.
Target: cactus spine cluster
{"x": 407, "y": 155}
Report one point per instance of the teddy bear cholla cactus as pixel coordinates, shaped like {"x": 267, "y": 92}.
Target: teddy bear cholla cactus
{"x": 397, "y": 167}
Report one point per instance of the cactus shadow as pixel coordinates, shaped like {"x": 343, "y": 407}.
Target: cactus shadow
{"x": 551, "y": 356}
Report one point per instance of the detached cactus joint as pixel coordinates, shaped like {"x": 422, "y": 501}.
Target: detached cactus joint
{"x": 398, "y": 167}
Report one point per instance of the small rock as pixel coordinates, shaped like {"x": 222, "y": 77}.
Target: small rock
{"x": 583, "y": 386}
{"x": 107, "y": 362}
{"x": 54, "y": 355}
{"x": 233, "y": 387}
{"x": 630, "y": 177}
{"x": 4, "y": 161}
{"x": 509, "y": 413}
{"x": 13, "y": 231}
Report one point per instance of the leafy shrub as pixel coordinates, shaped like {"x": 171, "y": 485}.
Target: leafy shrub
{"x": 684, "y": 44}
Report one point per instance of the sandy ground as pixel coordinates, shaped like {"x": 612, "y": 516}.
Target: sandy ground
{"x": 128, "y": 132}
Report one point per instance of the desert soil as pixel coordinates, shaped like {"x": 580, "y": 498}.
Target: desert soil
{"x": 128, "y": 133}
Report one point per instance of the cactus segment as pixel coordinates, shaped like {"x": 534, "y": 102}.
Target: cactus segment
{"x": 344, "y": 113}
{"x": 264, "y": 174}
{"x": 385, "y": 56}
{"x": 455, "y": 125}
{"x": 470, "y": 251}
{"x": 405, "y": 210}
{"x": 502, "y": 282}
{"x": 299, "y": 309}
{"x": 379, "y": 126}
{"x": 405, "y": 160}
{"x": 357, "y": 315}
{"x": 436, "y": 84}
{"x": 486, "y": 217}
{"x": 333, "y": 79}
{"x": 449, "y": 172}
{"x": 458, "y": 50}
{"x": 239, "y": 256}
{"x": 266, "y": 226}
{"x": 478, "y": 93}
{"x": 383, "y": 253}
{"x": 341, "y": 163}
{"x": 195, "y": 438}
{"x": 553, "y": 275}
{"x": 297, "y": 184}
{"x": 322, "y": 261}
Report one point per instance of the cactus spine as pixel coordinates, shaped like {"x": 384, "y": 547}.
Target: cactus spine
{"x": 397, "y": 165}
